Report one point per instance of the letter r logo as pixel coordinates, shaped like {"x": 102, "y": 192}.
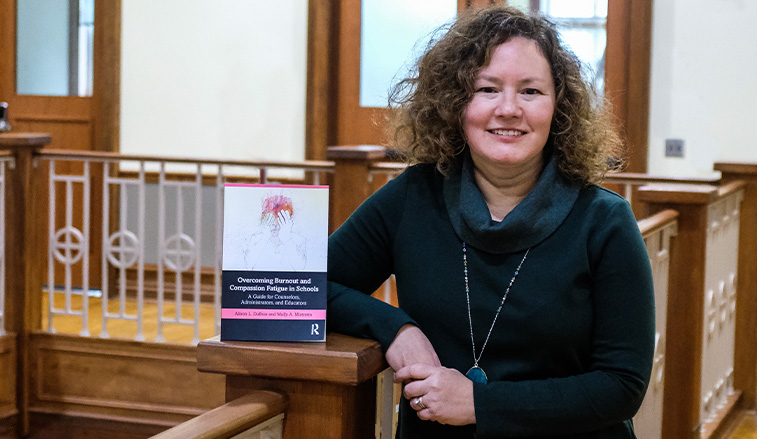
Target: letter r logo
{"x": 314, "y": 329}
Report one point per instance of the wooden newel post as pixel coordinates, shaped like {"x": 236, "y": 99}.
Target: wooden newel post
{"x": 745, "y": 368}
{"x": 331, "y": 386}
{"x": 351, "y": 178}
{"x": 23, "y": 245}
{"x": 682, "y": 400}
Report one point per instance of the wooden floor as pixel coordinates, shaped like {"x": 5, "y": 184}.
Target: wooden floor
{"x": 172, "y": 332}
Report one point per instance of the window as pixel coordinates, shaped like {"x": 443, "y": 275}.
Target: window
{"x": 55, "y": 47}
{"x": 394, "y": 35}
{"x": 582, "y": 25}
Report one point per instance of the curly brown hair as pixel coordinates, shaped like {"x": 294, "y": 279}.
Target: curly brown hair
{"x": 427, "y": 121}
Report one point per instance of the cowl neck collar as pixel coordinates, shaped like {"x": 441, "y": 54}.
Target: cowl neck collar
{"x": 534, "y": 219}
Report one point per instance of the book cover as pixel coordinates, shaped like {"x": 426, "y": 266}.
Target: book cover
{"x": 274, "y": 262}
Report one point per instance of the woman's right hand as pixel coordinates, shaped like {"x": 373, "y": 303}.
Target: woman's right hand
{"x": 411, "y": 346}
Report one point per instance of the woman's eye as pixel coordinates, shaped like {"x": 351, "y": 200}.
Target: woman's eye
{"x": 531, "y": 91}
{"x": 487, "y": 90}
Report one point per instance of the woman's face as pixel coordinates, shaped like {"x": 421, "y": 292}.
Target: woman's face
{"x": 507, "y": 121}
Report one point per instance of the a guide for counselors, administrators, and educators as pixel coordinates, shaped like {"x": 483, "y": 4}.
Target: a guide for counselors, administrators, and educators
{"x": 274, "y": 262}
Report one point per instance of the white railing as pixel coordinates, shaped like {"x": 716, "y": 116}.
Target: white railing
{"x": 719, "y": 327}
{"x": 648, "y": 421}
{"x": 172, "y": 222}
{"x": 5, "y": 162}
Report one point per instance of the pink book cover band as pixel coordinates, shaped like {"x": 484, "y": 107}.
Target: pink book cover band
{"x": 268, "y": 314}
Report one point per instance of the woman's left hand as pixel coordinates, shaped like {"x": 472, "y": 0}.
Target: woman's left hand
{"x": 438, "y": 394}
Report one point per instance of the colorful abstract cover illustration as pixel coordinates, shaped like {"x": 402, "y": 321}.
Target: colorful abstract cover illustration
{"x": 274, "y": 262}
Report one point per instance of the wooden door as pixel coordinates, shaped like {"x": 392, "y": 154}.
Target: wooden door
{"x": 74, "y": 123}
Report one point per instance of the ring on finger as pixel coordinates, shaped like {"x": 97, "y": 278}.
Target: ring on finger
{"x": 419, "y": 403}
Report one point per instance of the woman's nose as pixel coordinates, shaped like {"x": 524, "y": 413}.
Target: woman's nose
{"x": 508, "y": 105}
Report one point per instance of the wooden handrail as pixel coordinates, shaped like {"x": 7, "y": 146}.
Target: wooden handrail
{"x": 636, "y": 178}
{"x": 232, "y": 418}
{"x": 312, "y": 165}
{"x": 342, "y": 359}
{"x": 649, "y": 225}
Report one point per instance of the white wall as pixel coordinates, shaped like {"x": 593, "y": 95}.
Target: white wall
{"x": 703, "y": 86}
{"x": 222, "y": 79}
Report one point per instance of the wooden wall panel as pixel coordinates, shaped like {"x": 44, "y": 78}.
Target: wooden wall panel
{"x": 120, "y": 380}
{"x": 8, "y": 356}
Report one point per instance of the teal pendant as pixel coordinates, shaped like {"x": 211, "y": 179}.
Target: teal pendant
{"x": 477, "y": 375}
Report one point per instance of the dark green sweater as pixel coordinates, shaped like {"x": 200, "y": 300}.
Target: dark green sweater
{"x": 571, "y": 352}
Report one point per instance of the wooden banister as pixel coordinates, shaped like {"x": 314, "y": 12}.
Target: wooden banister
{"x": 649, "y": 225}
{"x": 745, "y": 372}
{"x": 232, "y": 418}
{"x": 313, "y": 165}
{"x": 331, "y": 386}
{"x": 342, "y": 359}
{"x": 686, "y": 301}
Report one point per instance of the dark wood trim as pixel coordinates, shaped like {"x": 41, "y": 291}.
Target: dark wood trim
{"x": 322, "y": 62}
{"x": 106, "y": 93}
{"x": 639, "y": 56}
{"x": 627, "y": 74}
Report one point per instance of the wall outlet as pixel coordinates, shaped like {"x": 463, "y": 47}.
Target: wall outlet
{"x": 674, "y": 147}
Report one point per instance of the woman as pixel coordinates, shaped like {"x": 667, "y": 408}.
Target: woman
{"x": 526, "y": 306}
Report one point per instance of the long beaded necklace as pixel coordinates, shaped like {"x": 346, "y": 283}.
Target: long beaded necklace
{"x": 475, "y": 373}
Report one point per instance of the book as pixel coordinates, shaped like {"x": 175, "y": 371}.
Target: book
{"x": 273, "y": 284}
